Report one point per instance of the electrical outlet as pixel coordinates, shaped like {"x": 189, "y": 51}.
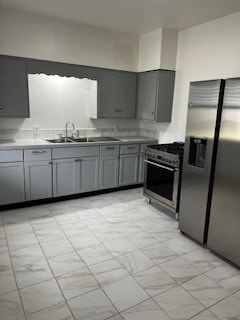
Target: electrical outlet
{"x": 36, "y": 128}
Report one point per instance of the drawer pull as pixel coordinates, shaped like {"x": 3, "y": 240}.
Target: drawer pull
{"x": 39, "y": 152}
{"x": 131, "y": 148}
{"x": 110, "y": 148}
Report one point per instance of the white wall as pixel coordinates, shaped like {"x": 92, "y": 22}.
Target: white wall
{"x": 48, "y": 39}
{"x": 158, "y": 49}
{"x": 169, "y": 49}
{"x": 44, "y": 38}
{"x": 150, "y": 50}
{"x": 207, "y": 51}
{"x": 54, "y": 100}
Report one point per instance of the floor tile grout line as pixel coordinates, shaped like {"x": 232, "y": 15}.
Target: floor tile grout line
{"x": 139, "y": 249}
{"x": 19, "y": 295}
{"x": 201, "y": 302}
{"x": 56, "y": 283}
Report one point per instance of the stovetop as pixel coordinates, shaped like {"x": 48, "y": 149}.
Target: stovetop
{"x": 173, "y": 148}
{"x": 170, "y": 153}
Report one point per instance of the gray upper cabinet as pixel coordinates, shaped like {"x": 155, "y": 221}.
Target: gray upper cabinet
{"x": 146, "y": 100}
{"x": 11, "y": 183}
{"x": 107, "y": 94}
{"x": 14, "y": 101}
{"x": 155, "y": 95}
{"x": 127, "y": 89}
{"x": 116, "y": 95}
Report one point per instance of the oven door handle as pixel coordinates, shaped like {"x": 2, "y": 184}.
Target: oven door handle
{"x": 159, "y": 165}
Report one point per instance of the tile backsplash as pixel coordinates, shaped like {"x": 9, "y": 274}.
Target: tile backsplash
{"x": 85, "y": 132}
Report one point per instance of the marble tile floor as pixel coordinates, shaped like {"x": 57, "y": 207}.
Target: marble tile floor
{"x": 111, "y": 256}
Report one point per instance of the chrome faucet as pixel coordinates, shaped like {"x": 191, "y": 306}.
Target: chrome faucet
{"x": 73, "y": 126}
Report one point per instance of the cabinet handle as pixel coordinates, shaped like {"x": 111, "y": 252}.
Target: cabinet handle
{"x": 76, "y": 160}
{"x": 110, "y": 148}
{"x": 50, "y": 163}
{"x": 153, "y": 112}
{"x": 116, "y": 110}
{"x": 2, "y": 107}
{"x": 39, "y": 152}
{"x": 131, "y": 148}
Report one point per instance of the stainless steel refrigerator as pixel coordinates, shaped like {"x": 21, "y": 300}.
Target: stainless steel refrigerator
{"x": 210, "y": 197}
{"x": 203, "y": 121}
{"x": 224, "y": 227}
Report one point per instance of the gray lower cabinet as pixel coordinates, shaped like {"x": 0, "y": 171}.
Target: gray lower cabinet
{"x": 64, "y": 177}
{"x": 155, "y": 95}
{"x": 75, "y": 175}
{"x": 108, "y": 172}
{"x": 38, "y": 180}
{"x": 128, "y": 169}
{"x": 141, "y": 162}
{"x": 87, "y": 174}
{"x": 141, "y": 169}
{"x": 11, "y": 183}
{"x": 14, "y": 101}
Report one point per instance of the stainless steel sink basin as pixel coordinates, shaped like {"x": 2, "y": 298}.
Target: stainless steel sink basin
{"x": 82, "y": 139}
{"x": 78, "y": 140}
{"x": 60, "y": 140}
{"x": 105, "y": 139}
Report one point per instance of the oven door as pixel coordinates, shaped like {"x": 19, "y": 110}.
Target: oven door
{"x": 161, "y": 183}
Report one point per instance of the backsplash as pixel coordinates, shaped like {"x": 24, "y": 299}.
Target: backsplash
{"x": 84, "y": 132}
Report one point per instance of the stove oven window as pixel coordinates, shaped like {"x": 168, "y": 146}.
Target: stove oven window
{"x": 160, "y": 181}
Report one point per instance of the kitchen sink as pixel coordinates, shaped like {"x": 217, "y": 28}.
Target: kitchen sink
{"x": 105, "y": 139}
{"x": 85, "y": 139}
{"x": 60, "y": 140}
{"x": 82, "y": 139}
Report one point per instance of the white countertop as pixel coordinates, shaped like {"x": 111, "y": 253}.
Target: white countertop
{"x": 35, "y": 143}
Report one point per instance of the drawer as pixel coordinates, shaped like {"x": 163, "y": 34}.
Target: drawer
{"x": 129, "y": 148}
{"x": 74, "y": 152}
{"x": 37, "y": 154}
{"x": 110, "y": 150}
{"x": 11, "y": 155}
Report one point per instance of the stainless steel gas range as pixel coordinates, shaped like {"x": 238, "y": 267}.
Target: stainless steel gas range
{"x": 163, "y": 166}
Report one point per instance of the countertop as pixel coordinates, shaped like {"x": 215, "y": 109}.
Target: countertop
{"x": 36, "y": 143}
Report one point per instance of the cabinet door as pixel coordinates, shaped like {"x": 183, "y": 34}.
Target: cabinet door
{"x": 11, "y": 183}
{"x": 38, "y": 180}
{"x": 127, "y": 86}
{"x": 87, "y": 174}
{"x": 128, "y": 173}
{"x": 141, "y": 169}
{"x": 108, "y": 172}
{"x": 64, "y": 177}
{"x": 146, "y": 97}
{"x": 107, "y": 94}
{"x": 165, "y": 92}
{"x": 14, "y": 101}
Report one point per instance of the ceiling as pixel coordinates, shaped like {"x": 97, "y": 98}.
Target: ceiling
{"x": 130, "y": 16}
